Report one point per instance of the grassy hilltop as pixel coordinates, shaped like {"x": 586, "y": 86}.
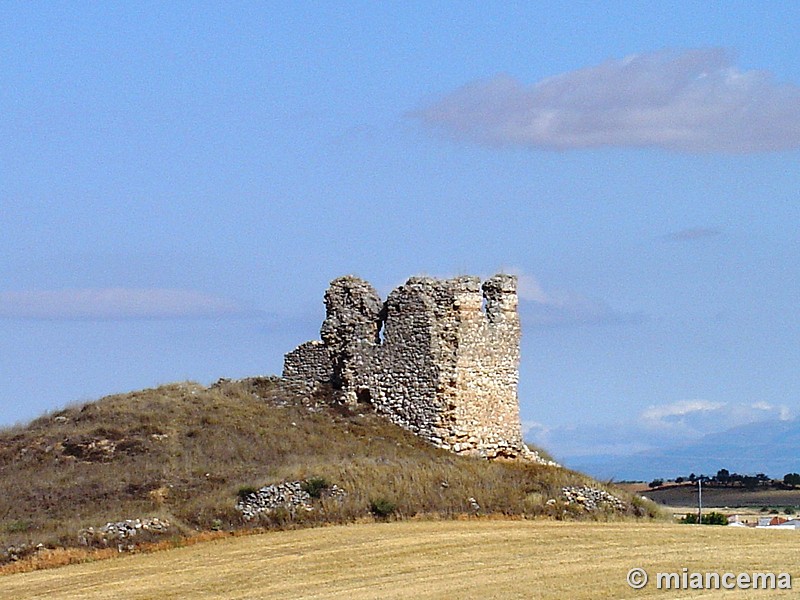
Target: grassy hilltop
{"x": 184, "y": 453}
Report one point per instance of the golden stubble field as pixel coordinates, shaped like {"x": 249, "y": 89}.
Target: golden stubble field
{"x": 441, "y": 559}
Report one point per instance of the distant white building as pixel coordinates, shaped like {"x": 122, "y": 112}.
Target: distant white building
{"x": 777, "y": 523}
{"x": 793, "y": 523}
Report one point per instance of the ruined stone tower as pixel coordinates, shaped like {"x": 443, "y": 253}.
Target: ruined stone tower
{"x": 439, "y": 358}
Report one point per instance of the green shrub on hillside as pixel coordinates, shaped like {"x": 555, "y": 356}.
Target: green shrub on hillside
{"x": 315, "y": 486}
{"x": 245, "y": 491}
{"x": 382, "y": 508}
{"x": 19, "y": 526}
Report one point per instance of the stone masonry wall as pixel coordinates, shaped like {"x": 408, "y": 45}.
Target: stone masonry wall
{"x": 439, "y": 358}
{"x": 402, "y": 374}
{"x": 487, "y": 369}
{"x": 310, "y": 363}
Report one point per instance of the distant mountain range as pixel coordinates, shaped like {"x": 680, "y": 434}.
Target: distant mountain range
{"x": 771, "y": 447}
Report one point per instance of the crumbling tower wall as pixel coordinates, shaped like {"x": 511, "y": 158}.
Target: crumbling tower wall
{"x": 439, "y": 358}
{"x": 485, "y": 406}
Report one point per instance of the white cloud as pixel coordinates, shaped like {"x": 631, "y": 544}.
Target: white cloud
{"x": 551, "y": 307}
{"x": 692, "y": 100}
{"x": 115, "y": 303}
{"x": 622, "y": 438}
{"x": 665, "y": 426}
{"x": 781, "y": 412}
{"x": 700, "y": 417}
{"x": 529, "y": 288}
{"x": 535, "y": 432}
{"x": 677, "y": 410}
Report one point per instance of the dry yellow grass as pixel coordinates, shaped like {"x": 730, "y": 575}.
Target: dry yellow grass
{"x": 182, "y": 452}
{"x": 444, "y": 559}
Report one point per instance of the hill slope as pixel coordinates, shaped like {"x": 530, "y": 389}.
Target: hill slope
{"x": 184, "y": 452}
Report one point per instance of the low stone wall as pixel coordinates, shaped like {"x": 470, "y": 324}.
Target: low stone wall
{"x": 121, "y": 531}
{"x": 20, "y": 551}
{"x": 593, "y": 498}
{"x": 289, "y": 495}
{"x": 310, "y": 364}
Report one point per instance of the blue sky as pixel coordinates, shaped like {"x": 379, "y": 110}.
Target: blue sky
{"x": 180, "y": 181}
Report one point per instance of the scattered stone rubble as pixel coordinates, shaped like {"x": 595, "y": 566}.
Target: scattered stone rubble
{"x": 288, "y": 495}
{"x": 20, "y": 551}
{"x": 534, "y": 456}
{"x": 592, "y": 498}
{"x": 121, "y": 531}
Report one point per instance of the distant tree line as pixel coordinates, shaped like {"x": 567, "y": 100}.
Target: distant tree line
{"x": 791, "y": 479}
{"x": 724, "y": 478}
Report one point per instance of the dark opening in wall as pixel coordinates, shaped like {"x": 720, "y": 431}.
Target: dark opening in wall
{"x": 381, "y": 324}
{"x": 363, "y": 396}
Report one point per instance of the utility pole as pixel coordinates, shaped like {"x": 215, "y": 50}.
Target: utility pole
{"x": 700, "y": 500}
